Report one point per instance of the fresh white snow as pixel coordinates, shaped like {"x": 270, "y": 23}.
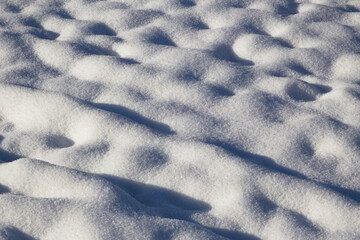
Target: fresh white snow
{"x": 179, "y": 119}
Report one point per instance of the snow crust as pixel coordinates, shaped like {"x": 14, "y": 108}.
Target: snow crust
{"x": 179, "y": 119}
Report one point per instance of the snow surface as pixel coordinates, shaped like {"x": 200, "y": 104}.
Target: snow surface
{"x": 179, "y": 119}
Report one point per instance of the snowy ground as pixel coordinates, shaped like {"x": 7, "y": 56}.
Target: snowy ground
{"x": 179, "y": 119}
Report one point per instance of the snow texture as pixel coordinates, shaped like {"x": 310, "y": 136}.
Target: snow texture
{"x": 179, "y": 119}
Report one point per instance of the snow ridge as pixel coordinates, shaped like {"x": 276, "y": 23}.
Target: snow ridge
{"x": 179, "y": 119}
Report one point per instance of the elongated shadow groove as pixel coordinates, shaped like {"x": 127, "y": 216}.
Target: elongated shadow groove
{"x": 256, "y": 159}
{"x": 352, "y": 194}
{"x": 290, "y": 9}
{"x": 225, "y": 52}
{"x": 4, "y": 189}
{"x": 235, "y": 235}
{"x": 12, "y": 233}
{"x": 163, "y": 199}
{"x": 136, "y": 117}
{"x": 170, "y": 204}
{"x": 270, "y": 164}
{"x": 8, "y": 156}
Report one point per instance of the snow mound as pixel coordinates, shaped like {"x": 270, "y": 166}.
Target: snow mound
{"x": 179, "y": 119}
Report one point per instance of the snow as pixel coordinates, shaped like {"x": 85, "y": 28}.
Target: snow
{"x": 179, "y": 119}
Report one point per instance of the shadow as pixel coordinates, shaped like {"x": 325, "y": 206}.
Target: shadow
{"x": 161, "y": 38}
{"x": 32, "y": 22}
{"x": 272, "y": 106}
{"x": 4, "y": 189}
{"x": 148, "y": 157}
{"x": 221, "y": 91}
{"x": 277, "y": 73}
{"x": 303, "y": 91}
{"x": 290, "y": 9}
{"x": 12, "y": 8}
{"x": 302, "y": 222}
{"x": 352, "y": 194}
{"x": 322, "y": 88}
{"x": 12, "y": 233}
{"x": 134, "y": 116}
{"x": 170, "y": 204}
{"x": 25, "y": 86}
{"x": 283, "y": 43}
{"x": 264, "y": 204}
{"x": 235, "y": 235}
{"x": 305, "y": 148}
{"x": 63, "y": 14}
{"x": 300, "y": 69}
{"x": 24, "y": 76}
{"x": 94, "y": 50}
{"x": 256, "y": 159}
{"x": 196, "y": 23}
{"x": 165, "y": 200}
{"x": 6, "y": 156}
{"x": 270, "y": 164}
{"x": 224, "y": 52}
{"x": 355, "y": 94}
{"x": 128, "y": 61}
{"x": 187, "y": 3}
{"x": 251, "y": 29}
{"x": 57, "y": 141}
{"x": 162, "y": 234}
{"x": 102, "y": 29}
{"x": 187, "y": 75}
{"x": 44, "y": 34}
{"x": 236, "y": 4}
{"x": 38, "y": 29}
{"x": 349, "y": 8}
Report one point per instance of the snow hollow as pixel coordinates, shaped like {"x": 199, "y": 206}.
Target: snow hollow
{"x": 179, "y": 119}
